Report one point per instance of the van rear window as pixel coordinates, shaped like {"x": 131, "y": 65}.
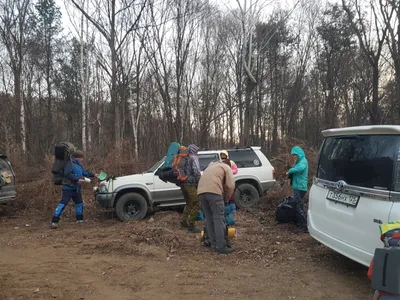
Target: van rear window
{"x": 365, "y": 160}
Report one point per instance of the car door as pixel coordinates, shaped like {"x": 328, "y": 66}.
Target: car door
{"x": 351, "y": 194}
{"x": 7, "y": 189}
{"x": 165, "y": 191}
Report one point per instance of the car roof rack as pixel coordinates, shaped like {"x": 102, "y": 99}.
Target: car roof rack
{"x": 232, "y": 148}
{"x": 244, "y": 148}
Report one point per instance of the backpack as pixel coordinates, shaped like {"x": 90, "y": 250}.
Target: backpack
{"x": 286, "y": 211}
{"x": 173, "y": 169}
{"x": 172, "y": 150}
{"x": 62, "y": 153}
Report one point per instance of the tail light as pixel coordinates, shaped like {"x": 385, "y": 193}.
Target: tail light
{"x": 274, "y": 173}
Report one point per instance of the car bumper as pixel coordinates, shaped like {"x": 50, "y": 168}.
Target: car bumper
{"x": 265, "y": 186}
{"x": 105, "y": 199}
{"x": 350, "y": 251}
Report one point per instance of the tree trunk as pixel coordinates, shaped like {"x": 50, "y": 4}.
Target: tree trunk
{"x": 114, "y": 95}
{"x": 83, "y": 95}
{"x": 397, "y": 99}
{"x": 17, "y": 95}
{"x": 49, "y": 97}
{"x": 22, "y": 120}
{"x": 248, "y": 113}
{"x": 374, "y": 111}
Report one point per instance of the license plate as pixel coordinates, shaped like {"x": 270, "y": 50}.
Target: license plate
{"x": 343, "y": 198}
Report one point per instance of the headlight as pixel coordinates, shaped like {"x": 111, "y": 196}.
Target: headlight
{"x": 103, "y": 187}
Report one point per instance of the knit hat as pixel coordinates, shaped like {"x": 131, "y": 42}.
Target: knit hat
{"x": 78, "y": 154}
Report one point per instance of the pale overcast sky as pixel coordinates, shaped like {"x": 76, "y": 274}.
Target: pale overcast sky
{"x": 224, "y": 4}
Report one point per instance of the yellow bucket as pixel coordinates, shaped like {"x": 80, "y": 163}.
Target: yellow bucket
{"x": 232, "y": 232}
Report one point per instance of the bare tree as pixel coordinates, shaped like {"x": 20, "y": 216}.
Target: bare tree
{"x": 116, "y": 39}
{"x": 13, "y": 30}
{"x": 390, "y": 10}
{"x": 371, "y": 49}
{"x": 248, "y": 19}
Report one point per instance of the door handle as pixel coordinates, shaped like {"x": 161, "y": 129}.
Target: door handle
{"x": 149, "y": 183}
{"x": 377, "y": 221}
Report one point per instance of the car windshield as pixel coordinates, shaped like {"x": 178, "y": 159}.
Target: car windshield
{"x": 363, "y": 160}
{"x": 156, "y": 166}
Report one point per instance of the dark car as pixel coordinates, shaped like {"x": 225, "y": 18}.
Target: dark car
{"x": 7, "y": 180}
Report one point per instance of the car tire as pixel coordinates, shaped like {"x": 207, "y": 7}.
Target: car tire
{"x": 246, "y": 195}
{"x": 131, "y": 207}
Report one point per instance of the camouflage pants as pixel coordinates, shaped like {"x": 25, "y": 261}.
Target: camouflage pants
{"x": 192, "y": 206}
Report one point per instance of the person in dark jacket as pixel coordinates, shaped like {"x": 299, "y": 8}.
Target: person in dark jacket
{"x": 75, "y": 173}
{"x": 189, "y": 190}
{"x": 299, "y": 181}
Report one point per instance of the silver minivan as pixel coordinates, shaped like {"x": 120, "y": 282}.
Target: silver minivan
{"x": 356, "y": 188}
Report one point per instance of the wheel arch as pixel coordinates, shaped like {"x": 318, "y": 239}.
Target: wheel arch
{"x": 133, "y": 188}
{"x": 250, "y": 180}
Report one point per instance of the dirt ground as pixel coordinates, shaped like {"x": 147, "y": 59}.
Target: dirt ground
{"x": 155, "y": 259}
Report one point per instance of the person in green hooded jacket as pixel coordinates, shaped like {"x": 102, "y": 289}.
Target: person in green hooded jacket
{"x": 299, "y": 176}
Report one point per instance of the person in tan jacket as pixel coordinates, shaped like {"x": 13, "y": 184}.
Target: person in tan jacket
{"x": 216, "y": 186}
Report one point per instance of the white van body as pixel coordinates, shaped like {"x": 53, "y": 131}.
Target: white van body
{"x": 356, "y": 188}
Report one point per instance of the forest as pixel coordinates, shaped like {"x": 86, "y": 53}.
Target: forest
{"x": 131, "y": 76}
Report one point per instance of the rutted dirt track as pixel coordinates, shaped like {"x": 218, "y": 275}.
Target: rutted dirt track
{"x": 106, "y": 259}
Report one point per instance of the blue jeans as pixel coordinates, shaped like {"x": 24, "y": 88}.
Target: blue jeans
{"x": 300, "y": 214}
{"x": 76, "y": 196}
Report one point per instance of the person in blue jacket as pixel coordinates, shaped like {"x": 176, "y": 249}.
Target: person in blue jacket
{"x": 299, "y": 176}
{"x": 75, "y": 173}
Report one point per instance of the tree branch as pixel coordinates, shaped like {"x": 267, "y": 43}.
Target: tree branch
{"x": 94, "y": 22}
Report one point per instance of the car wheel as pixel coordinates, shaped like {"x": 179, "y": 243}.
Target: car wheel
{"x": 131, "y": 207}
{"x": 246, "y": 195}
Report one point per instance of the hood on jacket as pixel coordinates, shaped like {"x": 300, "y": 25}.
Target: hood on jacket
{"x": 224, "y": 152}
{"x": 75, "y": 161}
{"x": 193, "y": 149}
{"x": 299, "y": 152}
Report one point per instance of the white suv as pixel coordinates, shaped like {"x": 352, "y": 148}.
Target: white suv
{"x": 357, "y": 188}
{"x": 133, "y": 196}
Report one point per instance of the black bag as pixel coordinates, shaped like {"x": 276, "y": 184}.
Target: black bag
{"x": 62, "y": 153}
{"x": 386, "y": 271}
{"x": 286, "y": 211}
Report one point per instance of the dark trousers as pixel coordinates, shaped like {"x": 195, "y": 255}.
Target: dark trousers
{"x": 299, "y": 201}
{"x": 214, "y": 210}
{"x": 76, "y": 196}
